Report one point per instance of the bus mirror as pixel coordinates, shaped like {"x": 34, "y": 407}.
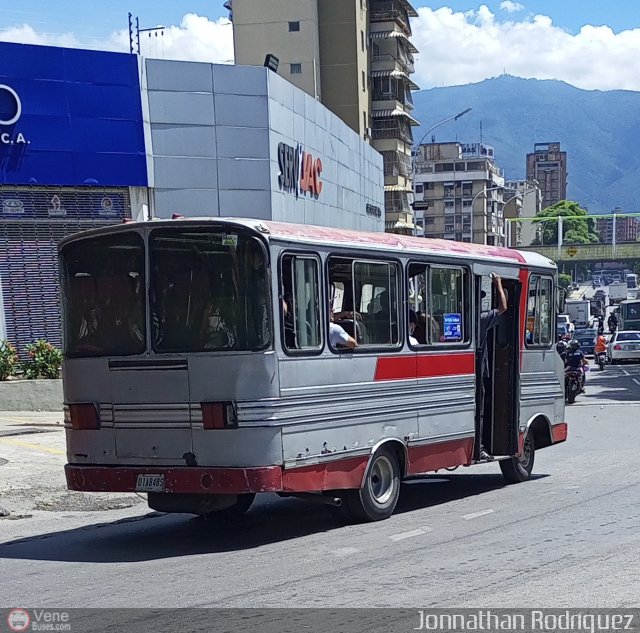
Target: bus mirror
{"x": 562, "y": 297}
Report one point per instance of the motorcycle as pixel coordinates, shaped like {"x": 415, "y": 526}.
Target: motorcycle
{"x": 601, "y": 359}
{"x": 573, "y": 384}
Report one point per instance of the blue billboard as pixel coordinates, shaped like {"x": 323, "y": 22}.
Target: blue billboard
{"x": 70, "y": 117}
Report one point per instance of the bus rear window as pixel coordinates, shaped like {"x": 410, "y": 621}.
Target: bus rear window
{"x": 209, "y": 291}
{"x": 104, "y": 296}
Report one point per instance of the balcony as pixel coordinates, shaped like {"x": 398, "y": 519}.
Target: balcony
{"x": 399, "y": 132}
{"x": 390, "y": 12}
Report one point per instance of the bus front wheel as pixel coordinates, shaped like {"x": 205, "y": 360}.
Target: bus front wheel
{"x": 377, "y": 498}
{"x": 518, "y": 469}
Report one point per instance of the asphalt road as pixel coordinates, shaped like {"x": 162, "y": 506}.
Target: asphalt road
{"x": 570, "y": 537}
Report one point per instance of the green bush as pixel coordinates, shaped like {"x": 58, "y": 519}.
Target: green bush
{"x": 8, "y": 359}
{"x": 45, "y": 360}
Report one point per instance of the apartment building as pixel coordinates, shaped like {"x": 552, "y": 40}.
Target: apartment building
{"x": 459, "y": 193}
{"x": 548, "y": 166}
{"x": 626, "y": 229}
{"x": 523, "y": 200}
{"x": 356, "y": 57}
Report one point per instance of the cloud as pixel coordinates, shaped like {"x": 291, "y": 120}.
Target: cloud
{"x": 197, "y": 38}
{"x": 458, "y": 48}
{"x": 511, "y": 7}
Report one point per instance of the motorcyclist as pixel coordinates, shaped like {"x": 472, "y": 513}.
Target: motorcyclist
{"x": 561, "y": 348}
{"x": 600, "y": 346}
{"x": 612, "y": 322}
{"x": 575, "y": 360}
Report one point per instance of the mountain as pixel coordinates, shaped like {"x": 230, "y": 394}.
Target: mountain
{"x": 600, "y": 131}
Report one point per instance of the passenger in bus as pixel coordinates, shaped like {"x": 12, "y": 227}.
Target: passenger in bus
{"x": 287, "y": 320}
{"x": 338, "y": 336}
{"x": 489, "y": 319}
{"x": 413, "y": 322}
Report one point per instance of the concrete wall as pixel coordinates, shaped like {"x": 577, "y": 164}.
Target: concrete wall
{"x": 215, "y": 131}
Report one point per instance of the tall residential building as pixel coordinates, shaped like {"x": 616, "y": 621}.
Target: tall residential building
{"x": 548, "y": 165}
{"x": 526, "y": 204}
{"x": 356, "y": 57}
{"x": 626, "y": 229}
{"x": 459, "y": 194}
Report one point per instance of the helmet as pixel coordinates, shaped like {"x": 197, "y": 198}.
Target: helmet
{"x": 574, "y": 345}
{"x": 561, "y": 346}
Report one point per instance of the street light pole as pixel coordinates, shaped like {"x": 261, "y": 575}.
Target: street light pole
{"x": 414, "y": 152}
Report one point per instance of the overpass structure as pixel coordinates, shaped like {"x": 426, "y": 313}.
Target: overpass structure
{"x": 588, "y": 252}
{"x": 627, "y": 250}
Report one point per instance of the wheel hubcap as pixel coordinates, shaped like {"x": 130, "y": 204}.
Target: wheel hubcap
{"x": 381, "y": 480}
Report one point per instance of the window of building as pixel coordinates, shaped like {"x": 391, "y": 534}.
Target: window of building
{"x": 364, "y": 81}
{"x": 370, "y": 289}
{"x": 294, "y": 26}
{"x": 296, "y": 69}
{"x": 362, "y": 44}
{"x": 300, "y": 295}
{"x": 442, "y": 167}
{"x": 467, "y": 204}
{"x": 419, "y": 188}
{"x": 539, "y": 311}
{"x": 439, "y": 297}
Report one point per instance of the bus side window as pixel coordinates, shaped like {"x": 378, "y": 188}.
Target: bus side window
{"x": 300, "y": 301}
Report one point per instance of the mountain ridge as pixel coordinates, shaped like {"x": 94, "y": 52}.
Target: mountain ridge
{"x": 598, "y": 129}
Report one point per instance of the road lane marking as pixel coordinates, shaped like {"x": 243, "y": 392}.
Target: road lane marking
{"x": 475, "y": 515}
{"x": 625, "y": 372}
{"x": 636, "y": 381}
{"x": 403, "y": 535}
{"x": 33, "y": 447}
{"x": 346, "y": 551}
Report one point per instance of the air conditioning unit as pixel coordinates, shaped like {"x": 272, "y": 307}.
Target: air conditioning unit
{"x": 367, "y": 132}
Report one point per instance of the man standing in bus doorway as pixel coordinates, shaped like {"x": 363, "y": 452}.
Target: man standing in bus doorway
{"x": 489, "y": 319}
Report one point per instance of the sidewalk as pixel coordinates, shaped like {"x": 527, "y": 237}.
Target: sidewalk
{"x": 31, "y": 418}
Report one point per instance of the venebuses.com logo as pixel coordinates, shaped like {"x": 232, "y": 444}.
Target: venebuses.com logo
{"x": 18, "y": 620}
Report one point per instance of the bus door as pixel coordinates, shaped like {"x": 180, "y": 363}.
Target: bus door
{"x": 497, "y": 424}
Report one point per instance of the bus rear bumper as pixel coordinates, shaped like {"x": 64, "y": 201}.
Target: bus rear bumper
{"x": 339, "y": 474}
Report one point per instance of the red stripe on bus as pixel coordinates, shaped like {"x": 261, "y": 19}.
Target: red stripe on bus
{"x": 424, "y": 366}
{"x": 334, "y": 475}
{"x": 430, "y": 457}
{"x": 559, "y": 432}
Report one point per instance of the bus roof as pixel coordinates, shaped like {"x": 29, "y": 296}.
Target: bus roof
{"x": 321, "y": 235}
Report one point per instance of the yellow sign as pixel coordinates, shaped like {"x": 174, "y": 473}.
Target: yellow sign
{"x": 572, "y": 252}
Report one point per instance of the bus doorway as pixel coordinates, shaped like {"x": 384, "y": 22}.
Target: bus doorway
{"x": 497, "y": 395}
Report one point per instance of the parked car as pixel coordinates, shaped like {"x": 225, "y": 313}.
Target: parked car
{"x": 587, "y": 339}
{"x": 624, "y": 345}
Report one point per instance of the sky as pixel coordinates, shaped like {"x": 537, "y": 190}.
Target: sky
{"x": 591, "y": 44}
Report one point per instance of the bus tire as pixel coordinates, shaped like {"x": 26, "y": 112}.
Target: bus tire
{"x": 378, "y": 497}
{"x": 518, "y": 469}
{"x": 235, "y": 511}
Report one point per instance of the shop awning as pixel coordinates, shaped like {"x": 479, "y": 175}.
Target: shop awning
{"x": 388, "y": 112}
{"x": 400, "y": 188}
{"x": 386, "y": 35}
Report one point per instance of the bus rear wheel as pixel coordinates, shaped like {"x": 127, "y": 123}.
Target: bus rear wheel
{"x": 518, "y": 469}
{"x": 378, "y": 497}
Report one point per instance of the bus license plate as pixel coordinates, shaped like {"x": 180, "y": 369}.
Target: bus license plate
{"x": 150, "y": 483}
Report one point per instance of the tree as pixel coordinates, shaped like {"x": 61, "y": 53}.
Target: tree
{"x": 577, "y": 226}
{"x": 564, "y": 280}
{"x": 636, "y": 268}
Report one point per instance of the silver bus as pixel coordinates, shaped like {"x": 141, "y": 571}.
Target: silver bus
{"x": 199, "y": 366}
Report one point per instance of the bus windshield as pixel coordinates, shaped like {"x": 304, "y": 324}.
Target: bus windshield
{"x": 209, "y": 291}
{"x": 104, "y": 286}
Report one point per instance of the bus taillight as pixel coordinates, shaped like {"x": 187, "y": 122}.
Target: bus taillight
{"x": 218, "y": 415}
{"x": 84, "y": 416}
